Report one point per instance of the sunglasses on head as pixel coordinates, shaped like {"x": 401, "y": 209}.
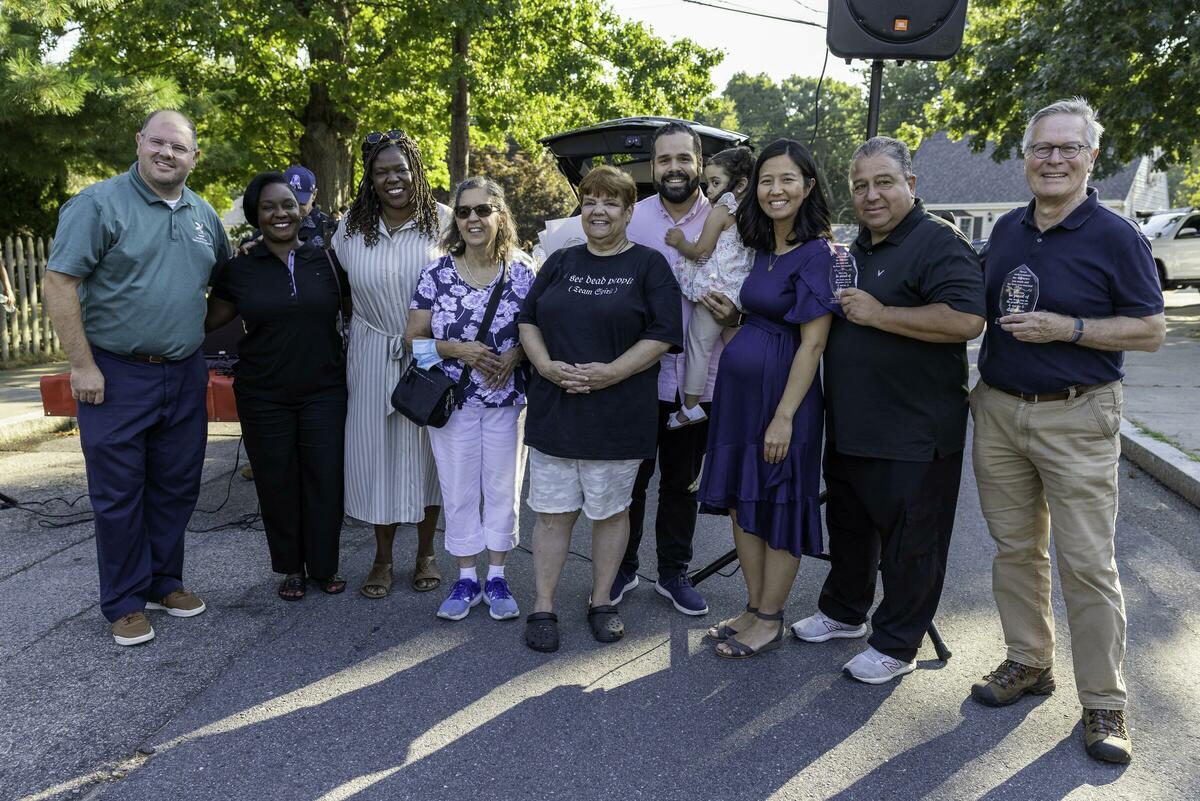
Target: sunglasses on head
{"x": 482, "y": 210}
{"x": 375, "y": 137}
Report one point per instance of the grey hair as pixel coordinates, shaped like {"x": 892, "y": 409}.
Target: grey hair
{"x": 187, "y": 122}
{"x": 1076, "y": 106}
{"x": 894, "y": 149}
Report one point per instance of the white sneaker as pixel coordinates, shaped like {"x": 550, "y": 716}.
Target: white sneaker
{"x": 872, "y": 667}
{"x": 819, "y": 628}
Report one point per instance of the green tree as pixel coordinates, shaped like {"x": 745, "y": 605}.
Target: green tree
{"x": 536, "y": 191}
{"x": 271, "y": 81}
{"x": 1136, "y": 61}
{"x": 59, "y": 120}
{"x": 767, "y": 111}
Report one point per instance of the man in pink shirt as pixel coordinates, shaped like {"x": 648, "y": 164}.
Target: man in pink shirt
{"x": 675, "y": 168}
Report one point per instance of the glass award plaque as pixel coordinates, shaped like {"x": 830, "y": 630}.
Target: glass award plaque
{"x": 844, "y": 272}
{"x": 1019, "y": 292}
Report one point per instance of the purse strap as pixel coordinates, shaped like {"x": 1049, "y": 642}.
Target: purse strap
{"x": 488, "y": 315}
{"x": 341, "y": 297}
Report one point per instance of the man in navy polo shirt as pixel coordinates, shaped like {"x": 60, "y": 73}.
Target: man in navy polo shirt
{"x": 125, "y": 288}
{"x": 1070, "y": 286}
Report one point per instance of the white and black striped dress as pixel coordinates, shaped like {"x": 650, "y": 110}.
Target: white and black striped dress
{"x": 390, "y": 472}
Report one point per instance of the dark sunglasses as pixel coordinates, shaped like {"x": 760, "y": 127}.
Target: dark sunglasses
{"x": 375, "y": 137}
{"x": 482, "y": 210}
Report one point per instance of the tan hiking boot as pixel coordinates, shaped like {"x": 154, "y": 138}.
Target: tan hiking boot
{"x": 1011, "y": 680}
{"x": 180, "y": 603}
{"x": 1105, "y": 737}
{"x": 133, "y": 629}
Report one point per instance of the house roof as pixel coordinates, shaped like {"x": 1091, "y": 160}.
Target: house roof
{"x": 948, "y": 172}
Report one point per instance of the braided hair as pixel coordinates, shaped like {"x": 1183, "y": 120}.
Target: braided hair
{"x": 367, "y": 209}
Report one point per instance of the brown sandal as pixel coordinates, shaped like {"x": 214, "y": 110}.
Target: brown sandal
{"x": 426, "y": 576}
{"x": 378, "y": 582}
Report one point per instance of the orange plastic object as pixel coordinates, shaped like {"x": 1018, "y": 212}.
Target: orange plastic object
{"x": 222, "y": 408}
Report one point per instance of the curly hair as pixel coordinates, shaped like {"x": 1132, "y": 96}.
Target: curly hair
{"x": 364, "y": 214}
{"x": 506, "y": 234}
{"x": 812, "y": 221}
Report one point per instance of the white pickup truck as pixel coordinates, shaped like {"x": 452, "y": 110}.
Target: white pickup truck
{"x": 1175, "y": 241}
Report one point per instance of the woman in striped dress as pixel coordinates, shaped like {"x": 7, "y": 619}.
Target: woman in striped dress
{"x": 389, "y": 234}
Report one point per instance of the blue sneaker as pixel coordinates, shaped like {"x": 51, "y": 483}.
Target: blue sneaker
{"x": 501, "y": 604}
{"x": 623, "y": 583}
{"x": 682, "y": 594}
{"x": 463, "y": 595}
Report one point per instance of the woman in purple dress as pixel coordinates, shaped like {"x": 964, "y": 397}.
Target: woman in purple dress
{"x": 763, "y": 462}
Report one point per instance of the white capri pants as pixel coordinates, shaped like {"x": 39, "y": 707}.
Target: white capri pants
{"x": 480, "y": 462}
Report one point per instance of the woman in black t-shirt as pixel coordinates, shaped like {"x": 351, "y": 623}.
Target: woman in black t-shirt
{"x": 290, "y": 383}
{"x": 594, "y": 325}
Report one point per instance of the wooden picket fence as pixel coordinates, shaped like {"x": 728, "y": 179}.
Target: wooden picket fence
{"x": 27, "y": 333}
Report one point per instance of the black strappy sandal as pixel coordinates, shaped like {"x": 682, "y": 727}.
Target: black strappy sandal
{"x": 739, "y": 650}
{"x": 721, "y": 632}
{"x": 292, "y": 587}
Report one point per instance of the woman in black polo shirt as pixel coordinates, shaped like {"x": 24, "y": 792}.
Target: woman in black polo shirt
{"x": 290, "y": 383}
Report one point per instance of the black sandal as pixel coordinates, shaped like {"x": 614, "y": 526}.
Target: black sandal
{"x": 606, "y": 623}
{"x": 332, "y": 585}
{"x": 722, "y": 632}
{"x": 739, "y": 650}
{"x": 292, "y": 587}
{"x": 541, "y": 632}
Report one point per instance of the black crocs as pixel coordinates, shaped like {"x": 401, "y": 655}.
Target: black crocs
{"x": 606, "y": 623}
{"x": 541, "y": 632}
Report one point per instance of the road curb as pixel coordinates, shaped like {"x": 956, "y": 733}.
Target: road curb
{"x": 29, "y": 426}
{"x": 1169, "y": 465}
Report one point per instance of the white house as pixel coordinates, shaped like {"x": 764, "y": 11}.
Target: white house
{"x": 977, "y": 190}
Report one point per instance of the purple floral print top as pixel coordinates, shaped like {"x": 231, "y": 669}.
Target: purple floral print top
{"x": 458, "y": 310}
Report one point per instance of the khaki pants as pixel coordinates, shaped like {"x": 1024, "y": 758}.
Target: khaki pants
{"x": 1055, "y": 462}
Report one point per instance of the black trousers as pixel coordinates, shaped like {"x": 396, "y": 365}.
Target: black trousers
{"x": 296, "y": 449}
{"x": 680, "y": 456}
{"x": 895, "y": 517}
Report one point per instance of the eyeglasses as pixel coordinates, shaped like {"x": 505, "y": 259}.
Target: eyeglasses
{"x": 1042, "y": 150}
{"x": 157, "y": 145}
{"x": 482, "y": 210}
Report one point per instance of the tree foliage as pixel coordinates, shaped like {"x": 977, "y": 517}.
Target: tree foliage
{"x": 765, "y": 110}
{"x": 60, "y": 121}
{"x": 275, "y": 81}
{"x": 536, "y": 191}
{"x": 1136, "y": 61}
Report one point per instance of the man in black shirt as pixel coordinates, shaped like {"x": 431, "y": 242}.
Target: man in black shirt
{"x": 896, "y": 415}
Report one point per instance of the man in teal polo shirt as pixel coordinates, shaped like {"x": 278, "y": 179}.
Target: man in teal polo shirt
{"x": 125, "y": 288}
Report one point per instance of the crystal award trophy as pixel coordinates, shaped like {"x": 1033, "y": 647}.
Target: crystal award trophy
{"x": 844, "y": 272}
{"x": 1019, "y": 292}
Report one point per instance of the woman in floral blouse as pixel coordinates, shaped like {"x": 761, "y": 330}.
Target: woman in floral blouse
{"x": 479, "y": 453}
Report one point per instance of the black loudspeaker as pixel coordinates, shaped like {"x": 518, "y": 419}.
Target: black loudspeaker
{"x": 904, "y": 30}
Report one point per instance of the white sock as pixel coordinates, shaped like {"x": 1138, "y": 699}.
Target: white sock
{"x": 495, "y": 571}
{"x": 468, "y": 573}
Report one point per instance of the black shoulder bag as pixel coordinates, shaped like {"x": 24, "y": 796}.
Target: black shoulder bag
{"x": 429, "y": 397}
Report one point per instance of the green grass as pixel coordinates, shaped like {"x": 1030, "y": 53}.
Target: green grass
{"x": 27, "y": 360}
{"x": 1163, "y": 438}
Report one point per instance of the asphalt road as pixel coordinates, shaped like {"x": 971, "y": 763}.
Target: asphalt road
{"x": 340, "y": 697}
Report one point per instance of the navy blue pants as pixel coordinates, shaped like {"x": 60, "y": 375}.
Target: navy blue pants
{"x": 144, "y": 451}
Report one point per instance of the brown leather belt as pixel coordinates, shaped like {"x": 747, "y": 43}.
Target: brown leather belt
{"x": 1070, "y": 392}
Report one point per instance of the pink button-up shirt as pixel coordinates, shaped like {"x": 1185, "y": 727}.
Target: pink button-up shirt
{"x": 649, "y": 227}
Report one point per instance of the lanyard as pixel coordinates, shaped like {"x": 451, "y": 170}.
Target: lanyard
{"x": 292, "y": 271}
